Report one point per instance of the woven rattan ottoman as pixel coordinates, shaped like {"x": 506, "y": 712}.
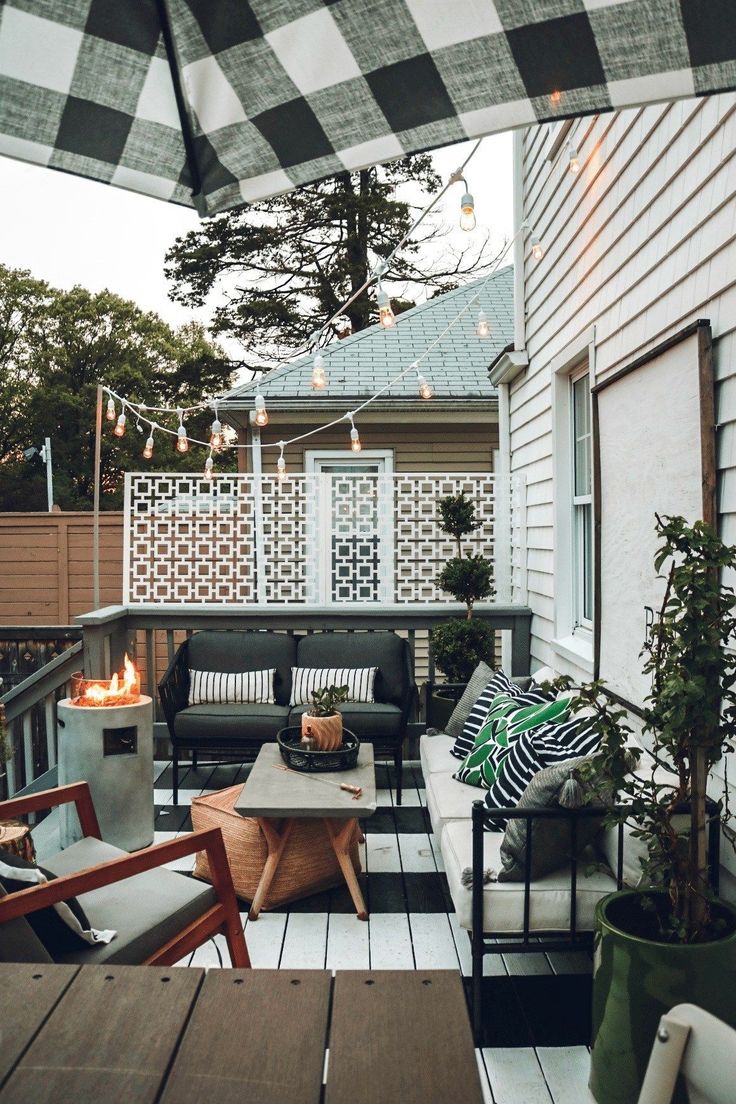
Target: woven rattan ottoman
{"x": 307, "y": 864}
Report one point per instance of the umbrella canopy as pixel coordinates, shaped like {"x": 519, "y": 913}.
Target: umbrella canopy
{"x": 214, "y": 103}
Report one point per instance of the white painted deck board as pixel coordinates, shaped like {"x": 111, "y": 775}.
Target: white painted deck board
{"x": 347, "y": 943}
{"x": 515, "y": 1076}
{"x": 434, "y": 946}
{"x": 305, "y": 941}
{"x": 566, "y": 1071}
{"x": 390, "y": 941}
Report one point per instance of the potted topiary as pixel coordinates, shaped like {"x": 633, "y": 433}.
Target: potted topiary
{"x": 459, "y": 644}
{"x": 322, "y": 723}
{"x": 673, "y": 941}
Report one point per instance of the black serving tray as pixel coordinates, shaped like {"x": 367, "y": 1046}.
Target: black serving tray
{"x": 297, "y": 758}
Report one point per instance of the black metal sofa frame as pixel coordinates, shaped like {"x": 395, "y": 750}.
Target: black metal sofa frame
{"x": 483, "y": 943}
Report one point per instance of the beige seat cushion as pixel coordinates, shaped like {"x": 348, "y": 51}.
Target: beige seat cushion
{"x": 503, "y": 902}
{"x": 434, "y": 753}
{"x": 146, "y": 910}
{"x": 448, "y": 800}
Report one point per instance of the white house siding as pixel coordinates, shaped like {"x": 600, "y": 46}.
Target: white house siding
{"x": 638, "y": 244}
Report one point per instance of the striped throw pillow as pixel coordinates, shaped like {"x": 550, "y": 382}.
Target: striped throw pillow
{"x": 493, "y": 742}
{"x": 499, "y": 685}
{"x": 359, "y": 681}
{"x": 541, "y": 747}
{"x": 231, "y": 687}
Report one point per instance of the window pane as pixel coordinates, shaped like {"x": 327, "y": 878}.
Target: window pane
{"x": 581, "y": 435}
{"x": 587, "y": 564}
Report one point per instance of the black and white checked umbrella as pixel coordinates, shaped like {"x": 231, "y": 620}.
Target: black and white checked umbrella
{"x": 213, "y": 103}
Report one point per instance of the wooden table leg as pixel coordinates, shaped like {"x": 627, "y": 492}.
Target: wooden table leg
{"x": 341, "y": 839}
{"x": 276, "y": 843}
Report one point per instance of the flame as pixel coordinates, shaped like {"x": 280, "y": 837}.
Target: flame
{"x": 123, "y": 689}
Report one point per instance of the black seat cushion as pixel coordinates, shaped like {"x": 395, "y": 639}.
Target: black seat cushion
{"x": 218, "y": 724}
{"x": 384, "y": 650}
{"x": 369, "y": 721}
{"x": 234, "y": 651}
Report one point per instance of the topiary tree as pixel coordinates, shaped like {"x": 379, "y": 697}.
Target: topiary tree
{"x": 460, "y": 643}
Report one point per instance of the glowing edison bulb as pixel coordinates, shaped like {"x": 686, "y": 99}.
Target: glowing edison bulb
{"x": 573, "y": 163}
{"x": 385, "y": 314}
{"x": 537, "y": 248}
{"x": 261, "y": 412}
{"x": 148, "y": 449}
{"x": 281, "y": 468}
{"x": 467, "y": 212}
{"x": 208, "y": 466}
{"x": 319, "y": 376}
{"x": 216, "y": 434}
{"x": 110, "y": 410}
{"x": 482, "y": 326}
{"x": 119, "y": 429}
{"x": 426, "y": 390}
{"x": 182, "y": 445}
{"x": 355, "y": 444}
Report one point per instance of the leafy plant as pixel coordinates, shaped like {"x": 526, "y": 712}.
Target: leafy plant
{"x": 691, "y": 721}
{"x": 6, "y": 749}
{"x": 458, "y": 644}
{"x": 325, "y": 700}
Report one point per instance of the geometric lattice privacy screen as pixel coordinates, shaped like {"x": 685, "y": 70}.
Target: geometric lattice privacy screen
{"x": 314, "y": 539}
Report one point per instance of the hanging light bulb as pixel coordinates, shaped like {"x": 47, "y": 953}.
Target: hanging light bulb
{"x": 119, "y": 429}
{"x": 110, "y": 410}
{"x": 482, "y": 325}
{"x": 385, "y": 314}
{"x": 216, "y": 438}
{"x": 319, "y": 376}
{"x": 148, "y": 447}
{"x": 573, "y": 163}
{"x": 281, "y": 464}
{"x": 355, "y": 444}
{"x": 467, "y": 212}
{"x": 537, "y": 248}
{"x": 208, "y": 466}
{"x": 182, "y": 445}
{"x": 426, "y": 390}
{"x": 261, "y": 412}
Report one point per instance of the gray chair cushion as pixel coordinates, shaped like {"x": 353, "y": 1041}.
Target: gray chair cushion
{"x": 374, "y": 721}
{"x": 216, "y": 721}
{"x": 19, "y": 942}
{"x": 214, "y": 650}
{"x": 384, "y": 650}
{"x": 146, "y": 910}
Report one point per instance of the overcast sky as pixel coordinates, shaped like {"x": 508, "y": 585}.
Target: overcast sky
{"x": 68, "y": 230}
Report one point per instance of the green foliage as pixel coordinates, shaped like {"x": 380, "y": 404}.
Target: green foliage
{"x": 278, "y": 268}
{"x": 325, "y": 700}
{"x": 467, "y": 579}
{"x": 6, "y": 747}
{"x": 690, "y": 721}
{"x": 55, "y": 347}
{"x": 457, "y": 517}
{"x": 458, "y": 645}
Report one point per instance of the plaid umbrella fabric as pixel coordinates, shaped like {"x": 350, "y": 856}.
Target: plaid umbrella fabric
{"x": 213, "y": 103}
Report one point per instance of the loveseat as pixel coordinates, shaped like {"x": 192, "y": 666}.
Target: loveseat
{"x": 241, "y": 730}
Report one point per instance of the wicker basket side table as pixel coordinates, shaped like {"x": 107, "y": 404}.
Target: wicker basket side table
{"x": 308, "y": 863}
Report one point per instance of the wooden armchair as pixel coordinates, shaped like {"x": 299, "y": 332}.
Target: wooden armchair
{"x": 160, "y": 915}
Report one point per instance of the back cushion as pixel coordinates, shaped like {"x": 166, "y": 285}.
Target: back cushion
{"x": 384, "y": 650}
{"x": 246, "y": 651}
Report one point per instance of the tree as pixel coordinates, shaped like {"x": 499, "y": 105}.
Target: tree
{"x": 281, "y": 267}
{"x": 55, "y": 347}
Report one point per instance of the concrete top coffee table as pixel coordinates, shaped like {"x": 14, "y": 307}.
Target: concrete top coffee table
{"x": 279, "y": 799}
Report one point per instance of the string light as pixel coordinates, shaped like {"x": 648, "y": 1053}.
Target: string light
{"x": 110, "y": 410}
{"x": 319, "y": 376}
{"x": 386, "y": 316}
{"x": 261, "y": 412}
{"x": 467, "y": 212}
{"x": 355, "y": 444}
{"x": 573, "y": 163}
{"x": 148, "y": 447}
{"x": 182, "y": 444}
{"x": 482, "y": 325}
{"x": 537, "y": 248}
{"x": 119, "y": 429}
{"x": 216, "y": 438}
{"x": 208, "y": 466}
{"x": 426, "y": 390}
{"x": 281, "y": 464}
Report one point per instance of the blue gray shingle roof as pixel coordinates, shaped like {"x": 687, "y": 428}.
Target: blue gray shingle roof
{"x": 358, "y": 366}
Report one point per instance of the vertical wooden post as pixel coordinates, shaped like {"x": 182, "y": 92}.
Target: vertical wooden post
{"x": 96, "y": 520}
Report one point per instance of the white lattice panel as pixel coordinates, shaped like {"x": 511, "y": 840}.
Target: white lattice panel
{"x": 358, "y": 561}
{"x": 289, "y": 548}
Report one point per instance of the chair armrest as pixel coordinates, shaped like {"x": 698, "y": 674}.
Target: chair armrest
{"x": 117, "y": 870}
{"x": 173, "y": 688}
{"x": 410, "y": 690}
{"x": 77, "y": 792}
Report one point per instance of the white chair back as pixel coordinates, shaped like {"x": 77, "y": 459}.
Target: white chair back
{"x": 700, "y": 1047}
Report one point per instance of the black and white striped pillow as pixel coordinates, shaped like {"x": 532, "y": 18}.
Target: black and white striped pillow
{"x": 499, "y": 684}
{"x": 534, "y": 750}
{"x": 359, "y": 681}
{"x": 231, "y": 687}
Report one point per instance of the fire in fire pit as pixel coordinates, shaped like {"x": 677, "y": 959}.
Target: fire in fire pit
{"x": 122, "y": 689}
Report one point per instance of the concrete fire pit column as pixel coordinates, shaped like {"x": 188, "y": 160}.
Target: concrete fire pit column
{"x": 111, "y": 747}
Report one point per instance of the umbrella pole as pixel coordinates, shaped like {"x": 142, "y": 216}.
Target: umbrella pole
{"x": 96, "y": 518}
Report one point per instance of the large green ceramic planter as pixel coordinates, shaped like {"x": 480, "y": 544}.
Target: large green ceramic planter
{"x": 636, "y": 980}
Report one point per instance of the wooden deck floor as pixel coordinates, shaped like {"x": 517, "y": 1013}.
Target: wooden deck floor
{"x": 412, "y": 926}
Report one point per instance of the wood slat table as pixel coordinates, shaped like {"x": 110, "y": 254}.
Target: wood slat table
{"x": 143, "y": 1034}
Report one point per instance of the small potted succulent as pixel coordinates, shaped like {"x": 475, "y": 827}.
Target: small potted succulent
{"x": 459, "y": 644}
{"x": 322, "y": 722}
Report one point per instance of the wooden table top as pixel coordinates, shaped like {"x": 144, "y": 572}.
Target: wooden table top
{"x": 270, "y": 792}
{"x": 140, "y": 1034}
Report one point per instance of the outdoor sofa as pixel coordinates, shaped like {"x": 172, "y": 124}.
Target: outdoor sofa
{"x": 241, "y": 730}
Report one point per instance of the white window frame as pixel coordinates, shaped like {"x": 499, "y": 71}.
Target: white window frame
{"x": 573, "y": 635}
{"x": 313, "y": 458}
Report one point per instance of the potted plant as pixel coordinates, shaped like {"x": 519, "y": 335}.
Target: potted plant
{"x": 322, "y": 723}
{"x": 674, "y": 941}
{"x": 460, "y": 643}
{"x": 6, "y": 749}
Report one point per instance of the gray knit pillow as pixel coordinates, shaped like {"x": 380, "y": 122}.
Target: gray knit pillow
{"x": 477, "y": 684}
{"x": 550, "y": 837}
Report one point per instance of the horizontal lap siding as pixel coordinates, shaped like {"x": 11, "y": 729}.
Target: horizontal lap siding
{"x": 639, "y": 244}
